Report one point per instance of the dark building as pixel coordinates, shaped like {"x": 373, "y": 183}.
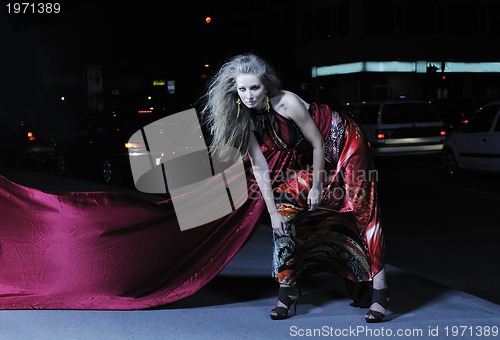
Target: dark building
{"x": 384, "y": 49}
{"x": 99, "y": 57}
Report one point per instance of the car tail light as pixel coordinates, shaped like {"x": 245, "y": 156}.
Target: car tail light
{"x": 380, "y": 134}
{"x": 442, "y": 133}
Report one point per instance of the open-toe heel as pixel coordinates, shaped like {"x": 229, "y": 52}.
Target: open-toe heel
{"x": 380, "y": 296}
{"x": 289, "y": 296}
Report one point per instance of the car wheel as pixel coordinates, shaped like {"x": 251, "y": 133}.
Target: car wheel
{"x": 109, "y": 172}
{"x": 62, "y": 165}
{"x": 450, "y": 163}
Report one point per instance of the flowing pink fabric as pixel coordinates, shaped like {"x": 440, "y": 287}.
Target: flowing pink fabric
{"x": 110, "y": 251}
{"x": 115, "y": 251}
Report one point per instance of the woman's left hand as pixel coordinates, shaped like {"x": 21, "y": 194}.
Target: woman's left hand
{"x": 313, "y": 199}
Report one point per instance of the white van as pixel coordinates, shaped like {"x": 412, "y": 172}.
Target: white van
{"x": 400, "y": 127}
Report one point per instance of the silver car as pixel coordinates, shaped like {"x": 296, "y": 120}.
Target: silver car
{"x": 400, "y": 127}
{"x": 474, "y": 145}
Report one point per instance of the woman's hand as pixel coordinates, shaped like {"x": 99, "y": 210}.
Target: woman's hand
{"x": 278, "y": 224}
{"x": 313, "y": 199}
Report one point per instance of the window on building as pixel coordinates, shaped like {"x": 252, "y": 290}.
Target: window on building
{"x": 307, "y": 26}
{"x": 420, "y": 18}
{"x": 378, "y": 17}
{"x": 325, "y": 23}
{"x": 494, "y": 19}
{"x": 343, "y": 18}
{"x": 462, "y": 18}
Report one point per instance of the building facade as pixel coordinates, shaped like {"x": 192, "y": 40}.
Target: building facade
{"x": 384, "y": 49}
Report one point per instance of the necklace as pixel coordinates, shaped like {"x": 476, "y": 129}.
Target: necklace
{"x": 260, "y": 121}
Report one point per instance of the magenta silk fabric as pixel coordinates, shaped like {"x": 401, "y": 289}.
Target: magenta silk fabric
{"x": 110, "y": 251}
{"x": 116, "y": 251}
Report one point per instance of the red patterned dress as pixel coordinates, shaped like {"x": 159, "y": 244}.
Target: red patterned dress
{"x": 344, "y": 235}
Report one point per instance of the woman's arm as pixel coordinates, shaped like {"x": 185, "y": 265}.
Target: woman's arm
{"x": 261, "y": 172}
{"x": 294, "y": 109}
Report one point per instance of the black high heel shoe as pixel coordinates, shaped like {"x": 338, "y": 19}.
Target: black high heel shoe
{"x": 289, "y": 296}
{"x": 380, "y": 296}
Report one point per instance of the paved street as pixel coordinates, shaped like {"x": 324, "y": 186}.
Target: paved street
{"x": 235, "y": 305}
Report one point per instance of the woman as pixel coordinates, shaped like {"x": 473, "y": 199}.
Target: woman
{"x": 315, "y": 173}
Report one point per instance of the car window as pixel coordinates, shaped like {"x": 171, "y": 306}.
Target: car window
{"x": 408, "y": 113}
{"x": 482, "y": 120}
{"x": 497, "y": 126}
{"x": 366, "y": 114}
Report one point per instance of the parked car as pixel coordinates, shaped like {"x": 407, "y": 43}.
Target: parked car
{"x": 24, "y": 143}
{"x": 100, "y": 147}
{"x": 474, "y": 145}
{"x": 32, "y": 147}
{"x": 458, "y": 110}
{"x": 400, "y": 127}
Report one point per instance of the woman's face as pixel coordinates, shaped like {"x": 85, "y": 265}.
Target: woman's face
{"x": 251, "y": 90}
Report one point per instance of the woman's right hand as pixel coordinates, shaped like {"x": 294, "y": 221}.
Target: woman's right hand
{"x": 278, "y": 224}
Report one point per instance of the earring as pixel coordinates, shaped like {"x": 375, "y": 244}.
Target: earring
{"x": 238, "y": 101}
{"x": 268, "y": 105}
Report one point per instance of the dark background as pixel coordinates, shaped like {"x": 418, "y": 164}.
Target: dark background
{"x": 45, "y": 55}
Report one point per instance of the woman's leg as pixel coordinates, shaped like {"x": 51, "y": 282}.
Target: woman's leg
{"x": 284, "y": 273}
{"x": 284, "y": 257}
{"x": 380, "y": 298}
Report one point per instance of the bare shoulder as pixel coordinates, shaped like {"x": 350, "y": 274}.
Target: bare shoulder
{"x": 289, "y": 105}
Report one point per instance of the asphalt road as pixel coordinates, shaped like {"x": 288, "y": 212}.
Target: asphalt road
{"x": 443, "y": 229}
{"x": 441, "y": 270}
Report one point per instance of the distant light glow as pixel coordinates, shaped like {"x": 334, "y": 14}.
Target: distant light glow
{"x": 405, "y": 66}
{"x": 337, "y": 69}
{"x": 389, "y": 66}
{"x": 130, "y": 145}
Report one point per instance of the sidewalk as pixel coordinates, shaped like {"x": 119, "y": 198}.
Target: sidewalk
{"x": 236, "y": 304}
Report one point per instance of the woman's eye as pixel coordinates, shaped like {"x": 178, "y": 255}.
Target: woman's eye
{"x": 255, "y": 87}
